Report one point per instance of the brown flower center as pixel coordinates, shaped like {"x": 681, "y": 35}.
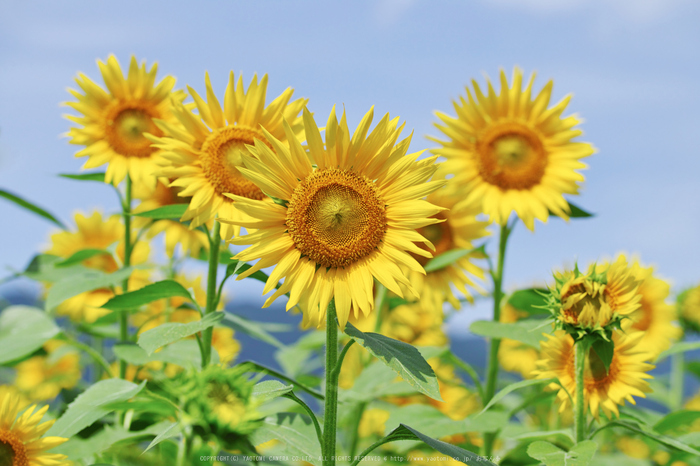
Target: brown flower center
{"x": 511, "y": 156}
{"x": 12, "y": 450}
{"x": 221, "y": 155}
{"x": 336, "y": 217}
{"x": 440, "y": 234}
{"x": 125, "y": 124}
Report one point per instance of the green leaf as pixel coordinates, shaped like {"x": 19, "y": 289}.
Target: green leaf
{"x": 270, "y": 389}
{"x": 78, "y": 448}
{"x": 23, "y": 330}
{"x": 152, "y": 339}
{"x": 252, "y": 328}
{"x": 551, "y": 455}
{"x": 85, "y": 281}
{"x": 149, "y": 293}
{"x": 530, "y": 300}
{"x": 295, "y": 431}
{"x": 431, "y": 421}
{"x": 99, "y": 176}
{"x": 31, "y": 207}
{"x": 524, "y": 331}
{"x": 577, "y": 212}
{"x": 170, "y": 430}
{"x": 375, "y": 381}
{"x": 279, "y": 375}
{"x": 43, "y": 268}
{"x": 450, "y": 257}
{"x": 681, "y": 347}
{"x": 80, "y": 256}
{"x": 183, "y": 353}
{"x": 91, "y": 405}
{"x": 647, "y": 431}
{"x": 604, "y": 351}
{"x": 676, "y": 420}
{"x": 515, "y": 386}
{"x": 171, "y": 212}
{"x": 404, "y": 432}
{"x": 403, "y": 358}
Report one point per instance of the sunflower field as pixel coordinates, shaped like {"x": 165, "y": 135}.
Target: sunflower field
{"x": 132, "y": 353}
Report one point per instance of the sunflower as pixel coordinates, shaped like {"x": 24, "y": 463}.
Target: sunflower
{"x": 655, "y": 316}
{"x": 337, "y": 224}
{"x": 513, "y": 153}
{"x": 171, "y": 310}
{"x": 592, "y": 301}
{"x": 191, "y": 241}
{"x": 689, "y": 307}
{"x": 204, "y": 159}
{"x": 94, "y": 232}
{"x": 515, "y": 356}
{"x": 113, "y": 122}
{"x": 21, "y": 441}
{"x": 42, "y": 377}
{"x": 458, "y": 230}
{"x": 373, "y": 422}
{"x": 603, "y": 389}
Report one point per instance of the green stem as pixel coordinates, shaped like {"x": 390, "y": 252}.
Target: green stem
{"x": 580, "y": 402}
{"x": 354, "y": 434}
{"x": 377, "y": 444}
{"x": 311, "y": 414}
{"x": 330, "y": 411}
{"x": 124, "y": 316}
{"x": 214, "y": 242}
{"x": 492, "y": 368}
{"x": 677, "y": 380}
{"x": 97, "y": 357}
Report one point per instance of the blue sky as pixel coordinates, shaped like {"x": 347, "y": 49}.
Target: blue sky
{"x": 632, "y": 66}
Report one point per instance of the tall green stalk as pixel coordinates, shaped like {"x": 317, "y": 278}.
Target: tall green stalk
{"x": 492, "y": 368}
{"x": 214, "y": 242}
{"x": 330, "y": 410}
{"x": 124, "y": 316}
{"x": 677, "y": 381}
{"x": 580, "y": 408}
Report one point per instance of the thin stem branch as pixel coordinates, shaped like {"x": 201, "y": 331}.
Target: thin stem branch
{"x": 330, "y": 411}
{"x": 124, "y": 316}
{"x": 580, "y": 402}
{"x": 310, "y": 412}
{"x": 339, "y": 363}
{"x": 492, "y": 368}
{"x": 214, "y": 243}
{"x": 97, "y": 357}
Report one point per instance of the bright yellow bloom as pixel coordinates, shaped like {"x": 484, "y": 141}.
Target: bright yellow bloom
{"x": 602, "y": 390}
{"x": 689, "y": 306}
{"x": 170, "y": 310}
{"x": 21, "y": 441}
{"x": 594, "y": 300}
{"x": 113, "y": 122}
{"x": 176, "y": 233}
{"x": 655, "y": 316}
{"x": 512, "y": 152}
{"x": 41, "y": 378}
{"x": 513, "y": 355}
{"x": 373, "y": 422}
{"x": 204, "y": 159}
{"x": 633, "y": 447}
{"x": 94, "y": 232}
{"x": 459, "y": 230}
{"x": 350, "y": 218}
